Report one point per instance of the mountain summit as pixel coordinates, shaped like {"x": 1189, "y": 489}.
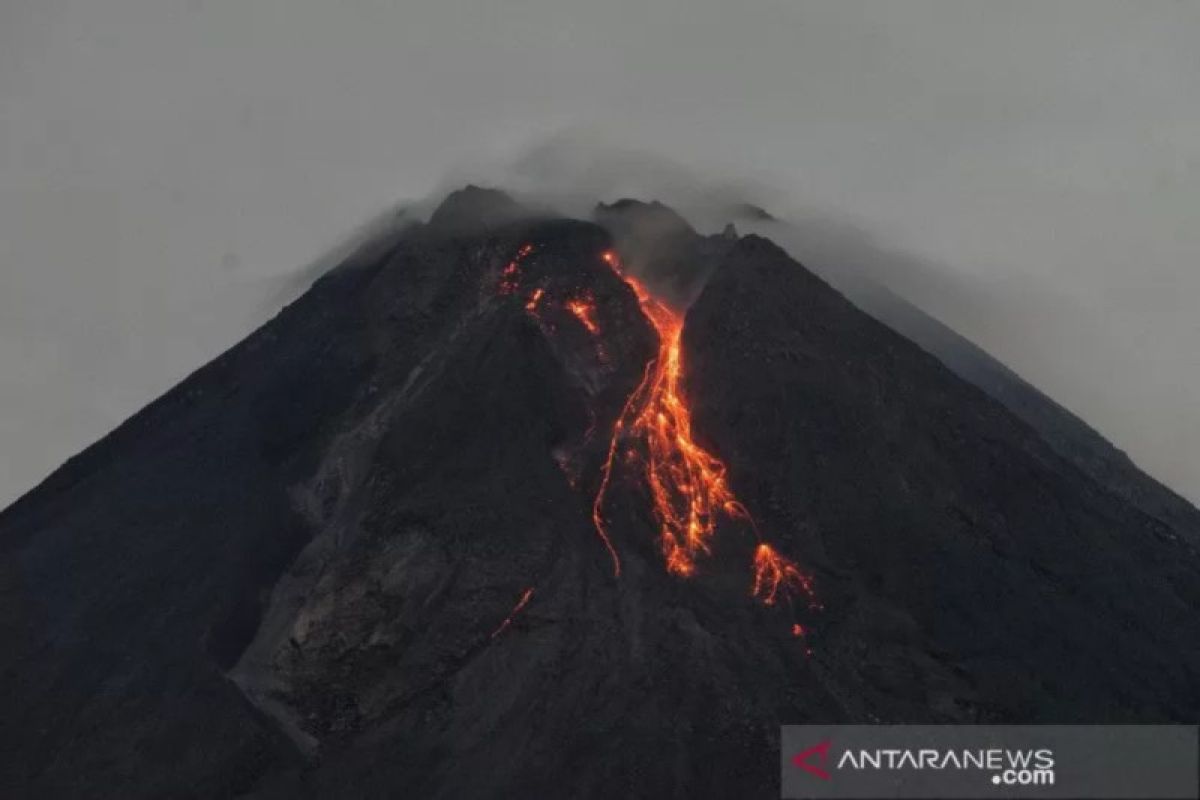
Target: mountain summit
{"x": 510, "y": 505}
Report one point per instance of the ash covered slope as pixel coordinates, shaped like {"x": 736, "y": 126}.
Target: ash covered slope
{"x": 1070, "y": 436}
{"x": 355, "y": 555}
{"x": 952, "y": 539}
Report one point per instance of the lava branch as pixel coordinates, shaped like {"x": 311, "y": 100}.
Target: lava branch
{"x": 532, "y": 303}
{"x": 606, "y": 472}
{"x": 689, "y": 488}
{"x": 582, "y": 305}
{"x": 584, "y": 309}
{"x": 524, "y": 601}
{"x": 510, "y": 276}
{"x": 772, "y": 573}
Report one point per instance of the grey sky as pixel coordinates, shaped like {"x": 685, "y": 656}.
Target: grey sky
{"x": 165, "y": 164}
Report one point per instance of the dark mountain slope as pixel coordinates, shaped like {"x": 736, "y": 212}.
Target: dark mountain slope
{"x": 133, "y": 573}
{"x": 928, "y": 502}
{"x": 1069, "y": 435}
{"x": 862, "y": 269}
{"x": 355, "y": 556}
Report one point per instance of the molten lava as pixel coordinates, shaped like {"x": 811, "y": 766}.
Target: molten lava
{"x": 772, "y": 573}
{"x": 524, "y": 601}
{"x": 510, "y": 276}
{"x": 688, "y": 486}
{"x": 584, "y": 309}
{"x": 535, "y": 298}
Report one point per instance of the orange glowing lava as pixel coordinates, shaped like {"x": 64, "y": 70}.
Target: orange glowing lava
{"x": 510, "y": 277}
{"x": 772, "y": 573}
{"x": 512, "y": 614}
{"x": 535, "y": 298}
{"x": 584, "y": 309}
{"x": 688, "y": 485}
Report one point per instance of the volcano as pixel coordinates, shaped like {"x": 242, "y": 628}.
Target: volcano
{"x": 514, "y": 505}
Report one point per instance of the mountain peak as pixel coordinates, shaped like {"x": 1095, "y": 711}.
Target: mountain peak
{"x": 475, "y": 206}
{"x": 643, "y": 222}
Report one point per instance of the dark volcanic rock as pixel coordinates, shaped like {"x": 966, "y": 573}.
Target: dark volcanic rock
{"x": 475, "y": 208}
{"x": 970, "y": 569}
{"x": 1070, "y": 436}
{"x": 662, "y": 248}
{"x": 354, "y": 556}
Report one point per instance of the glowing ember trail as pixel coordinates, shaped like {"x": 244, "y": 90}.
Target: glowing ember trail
{"x": 584, "y": 309}
{"x": 510, "y": 277}
{"x": 773, "y": 572}
{"x": 534, "y": 299}
{"x": 524, "y": 601}
{"x": 688, "y": 485}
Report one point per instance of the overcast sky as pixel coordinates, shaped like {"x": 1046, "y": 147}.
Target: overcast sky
{"x": 166, "y": 164}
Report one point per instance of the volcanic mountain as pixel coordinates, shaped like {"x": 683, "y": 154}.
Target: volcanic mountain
{"x": 513, "y": 505}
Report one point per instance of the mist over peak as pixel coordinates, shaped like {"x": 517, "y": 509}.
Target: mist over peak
{"x": 1027, "y": 317}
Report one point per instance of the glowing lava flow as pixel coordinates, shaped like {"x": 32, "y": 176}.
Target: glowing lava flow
{"x": 535, "y": 298}
{"x": 688, "y": 485}
{"x": 524, "y": 601}
{"x": 773, "y": 572}
{"x": 510, "y": 277}
{"x": 584, "y": 309}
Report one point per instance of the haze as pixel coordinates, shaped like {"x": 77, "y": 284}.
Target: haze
{"x": 169, "y": 167}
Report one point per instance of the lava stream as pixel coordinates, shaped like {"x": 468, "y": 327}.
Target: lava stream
{"x": 688, "y": 485}
{"x": 510, "y": 277}
{"x": 584, "y": 309}
{"x": 535, "y": 298}
{"x": 773, "y": 572}
{"x": 525, "y": 598}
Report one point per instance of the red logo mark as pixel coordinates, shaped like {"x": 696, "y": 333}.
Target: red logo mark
{"x": 821, "y": 751}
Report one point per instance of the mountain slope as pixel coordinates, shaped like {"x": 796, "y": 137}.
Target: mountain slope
{"x": 856, "y": 265}
{"x": 925, "y": 498}
{"x": 1071, "y": 437}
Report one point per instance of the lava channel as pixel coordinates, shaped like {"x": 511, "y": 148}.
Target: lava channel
{"x": 688, "y": 486}
{"x": 584, "y": 309}
{"x": 526, "y": 596}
